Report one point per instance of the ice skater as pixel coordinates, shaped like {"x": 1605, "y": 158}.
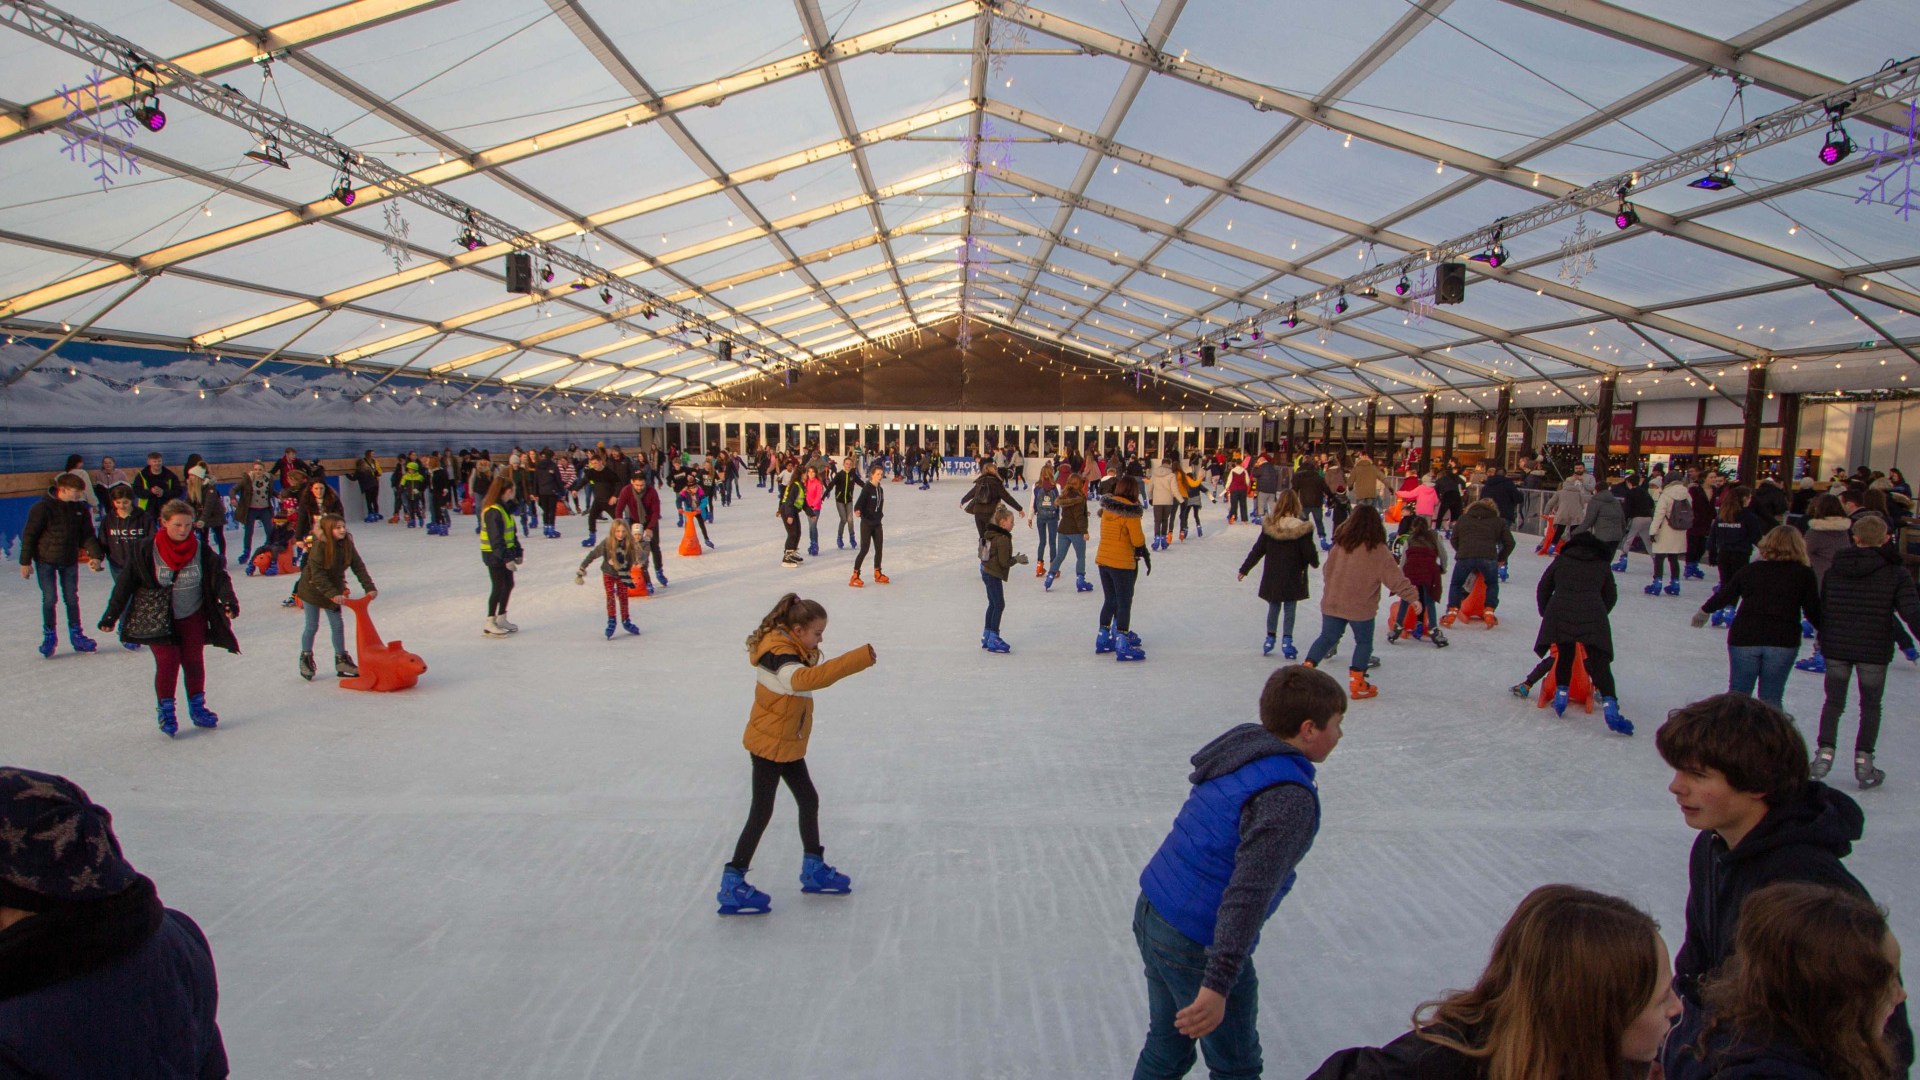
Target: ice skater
{"x": 1286, "y": 544}
{"x": 322, "y": 587}
{"x": 1861, "y": 596}
{"x": 788, "y": 668}
{"x": 57, "y": 536}
{"x": 869, "y": 511}
{"x": 621, "y": 554}
{"x": 1223, "y": 870}
{"x": 500, "y": 551}
{"x": 1123, "y": 547}
{"x": 997, "y": 560}
{"x": 1576, "y": 595}
{"x": 176, "y": 599}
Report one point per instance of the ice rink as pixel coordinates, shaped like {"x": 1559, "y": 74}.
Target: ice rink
{"x": 508, "y": 872}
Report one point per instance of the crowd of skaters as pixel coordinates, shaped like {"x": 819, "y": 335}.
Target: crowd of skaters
{"x": 1743, "y": 776}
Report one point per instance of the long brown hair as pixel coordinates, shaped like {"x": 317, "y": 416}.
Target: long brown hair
{"x": 1287, "y": 504}
{"x": 1363, "y": 528}
{"x": 322, "y": 538}
{"x": 1810, "y": 967}
{"x": 788, "y": 611}
{"x": 1569, "y": 973}
{"x": 1734, "y": 501}
{"x": 496, "y": 491}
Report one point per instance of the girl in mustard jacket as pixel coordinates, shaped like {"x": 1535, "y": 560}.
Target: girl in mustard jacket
{"x": 787, "y": 664}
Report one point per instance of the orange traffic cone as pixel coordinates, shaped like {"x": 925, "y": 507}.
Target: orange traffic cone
{"x": 690, "y": 543}
{"x": 638, "y": 587}
{"x": 1475, "y": 604}
{"x": 1581, "y": 692}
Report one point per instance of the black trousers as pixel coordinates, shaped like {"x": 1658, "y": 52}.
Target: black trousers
{"x": 1599, "y": 668}
{"x": 875, "y": 534}
{"x": 502, "y": 579}
{"x": 792, "y": 522}
{"x": 547, "y": 504}
{"x": 767, "y": 776}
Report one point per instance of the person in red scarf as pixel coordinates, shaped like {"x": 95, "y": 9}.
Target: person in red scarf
{"x": 176, "y": 598}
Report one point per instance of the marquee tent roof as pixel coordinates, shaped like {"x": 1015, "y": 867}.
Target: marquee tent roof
{"x": 1119, "y": 177}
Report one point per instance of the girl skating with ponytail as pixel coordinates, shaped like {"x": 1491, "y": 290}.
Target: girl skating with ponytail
{"x": 788, "y": 667}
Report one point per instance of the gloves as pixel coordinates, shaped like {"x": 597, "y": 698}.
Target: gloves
{"x": 580, "y": 577}
{"x": 1144, "y": 556}
{"x": 514, "y": 566}
{"x": 1021, "y": 559}
{"x": 1699, "y": 619}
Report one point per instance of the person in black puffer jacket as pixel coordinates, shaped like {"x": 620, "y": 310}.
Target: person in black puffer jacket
{"x": 1286, "y": 544}
{"x": 1859, "y": 597}
{"x": 57, "y": 535}
{"x": 1576, "y": 594}
{"x": 1773, "y": 595}
{"x": 84, "y": 936}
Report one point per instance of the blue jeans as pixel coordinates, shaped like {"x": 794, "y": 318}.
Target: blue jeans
{"x": 66, "y": 579}
{"x": 1332, "y": 629}
{"x": 1319, "y": 522}
{"x": 313, "y": 627}
{"x": 1463, "y": 571}
{"x": 1048, "y": 528}
{"x": 1175, "y": 964}
{"x": 996, "y": 599}
{"x": 1076, "y": 541}
{"x": 1274, "y": 608}
{"x": 1767, "y": 664}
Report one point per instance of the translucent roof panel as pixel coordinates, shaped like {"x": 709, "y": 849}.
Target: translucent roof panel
{"x": 1122, "y": 248}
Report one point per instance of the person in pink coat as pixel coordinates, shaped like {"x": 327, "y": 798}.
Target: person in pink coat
{"x": 1426, "y": 499}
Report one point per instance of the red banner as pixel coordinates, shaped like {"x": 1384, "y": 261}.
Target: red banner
{"x": 1668, "y": 440}
{"x": 1620, "y": 433}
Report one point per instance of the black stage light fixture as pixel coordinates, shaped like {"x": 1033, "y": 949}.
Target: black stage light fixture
{"x": 1340, "y": 305}
{"x": 1838, "y": 145}
{"x": 149, "y": 114}
{"x": 1404, "y": 287}
{"x": 1720, "y": 178}
{"x": 343, "y": 194}
{"x": 1293, "y": 318}
{"x": 268, "y": 153}
{"x": 606, "y": 296}
{"x": 1625, "y": 217}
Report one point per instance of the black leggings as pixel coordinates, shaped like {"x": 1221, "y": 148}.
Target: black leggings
{"x": 767, "y": 776}
{"x": 1671, "y": 562}
{"x": 870, "y": 533}
{"x": 502, "y": 587}
{"x": 547, "y": 505}
{"x": 792, "y": 522}
{"x": 1194, "y": 509}
{"x": 1162, "y": 519}
{"x": 1116, "y": 608}
{"x": 1599, "y": 668}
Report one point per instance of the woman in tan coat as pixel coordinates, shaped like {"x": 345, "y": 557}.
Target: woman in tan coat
{"x": 788, "y": 667}
{"x": 1358, "y": 564}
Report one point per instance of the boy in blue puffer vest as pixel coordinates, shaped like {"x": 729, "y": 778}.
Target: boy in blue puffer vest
{"x": 1222, "y": 872}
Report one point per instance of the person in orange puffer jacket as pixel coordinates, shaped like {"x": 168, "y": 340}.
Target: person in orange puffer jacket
{"x": 785, "y": 652}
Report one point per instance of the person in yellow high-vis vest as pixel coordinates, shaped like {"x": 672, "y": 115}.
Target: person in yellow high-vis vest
{"x": 500, "y": 550}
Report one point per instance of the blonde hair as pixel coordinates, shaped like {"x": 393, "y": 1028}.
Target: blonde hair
{"x": 1287, "y": 504}
{"x": 1784, "y": 544}
{"x": 788, "y": 611}
{"x": 322, "y": 538}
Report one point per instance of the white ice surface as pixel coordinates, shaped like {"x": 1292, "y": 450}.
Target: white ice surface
{"x": 509, "y": 870}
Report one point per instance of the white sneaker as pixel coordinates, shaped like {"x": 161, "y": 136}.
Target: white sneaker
{"x": 492, "y": 627}
{"x": 500, "y": 620}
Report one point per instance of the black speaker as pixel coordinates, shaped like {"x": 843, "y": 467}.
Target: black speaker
{"x": 519, "y": 272}
{"x": 726, "y": 351}
{"x": 1207, "y": 355}
{"x": 1450, "y": 283}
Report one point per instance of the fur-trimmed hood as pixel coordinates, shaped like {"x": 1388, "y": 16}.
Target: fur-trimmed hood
{"x": 1114, "y": 504}
{"x": 1285, "y": 528}
{"x": 1830, "y": 524}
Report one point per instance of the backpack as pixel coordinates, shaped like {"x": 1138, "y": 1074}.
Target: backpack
{"x": 977, "y": 500}
{"x": 1680, "y": 514}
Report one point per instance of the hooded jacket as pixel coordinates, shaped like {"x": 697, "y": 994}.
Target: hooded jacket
{"x": 58, "y": 533}
{"x": 1482, "y": 534}
{"x": 1668, "y": 540}
{"x": 1121, "y": 536}
{"x": 323, "y": 579}
{"x": 1569, "y": 505}
{"x": 1859, "y": 597}
{"x": 1286, "y": 544}
{"x": 1803, "y": 839}
{"x": 1575, "y": 595}
{"x": 125, "y": 536}
{"x": 1505, "y": 495}
{"x": 1162, "y": 488}
{"x": 1073, "y": 513}
{"x": 1605, "y": 518}
{"x": 786, "y": 675}
{"x": 996, "y": 551}
{"x": 1311, "y": 487}
{"x": 1827, "y": 537}
{"x": 1229, "y": 859}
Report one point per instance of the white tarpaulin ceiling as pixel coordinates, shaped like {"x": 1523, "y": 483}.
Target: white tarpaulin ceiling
{"x": 1124, "y": 178}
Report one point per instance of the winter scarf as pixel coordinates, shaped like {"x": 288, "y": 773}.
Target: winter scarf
{"x": 175, "y": 553}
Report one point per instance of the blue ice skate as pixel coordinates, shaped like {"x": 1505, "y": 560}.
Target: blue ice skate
{"x": 629, "y": 627}
{"x": 1051, "y": 578}
{"x": 1620, "y": 564}
{"x": 1127, "y": 648}
{"x": 994, "y": 643}
{"x": 1286, "y": 648}
{"x": 1912, "y": 653}
{"x": 1503, "y": 571}
{"x": 1616, "y": 723}
{"x": 1693, "y": 572}
{"x": 168, "y": 725}
{"x": 739, "y": 898}
{"x": 80, "y": 641}
{"x": 1560, "y": 699}
{"x": 817, "y": 877}
{"x": 1817, "y": 664}
{"x": 1806, "y": 629}
{"x": 1673, "y": 587}
{"x": 1653, "y": 589}
{"x": 592, "y": 539}
{"x": 1081, "y": 584}
{"x": 1103, "y": 641}
{"x": 612, "y": 625}
{"x": 49, "y": 642}
{"x": 1267, "y": 649}
{"x": 203, "y": 717}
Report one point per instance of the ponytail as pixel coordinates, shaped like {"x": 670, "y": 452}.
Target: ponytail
{"x": 789, "y": 610}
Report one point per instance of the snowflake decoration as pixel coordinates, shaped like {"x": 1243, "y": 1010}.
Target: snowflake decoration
{"x": 102, "y": 147}
{"x": 1899, "y": 159}
{"x": 1576, "y": 254}
{"x": 990, "y": 151}
{"x": 397, "y": 231}
{"x": 1009, "y": 35}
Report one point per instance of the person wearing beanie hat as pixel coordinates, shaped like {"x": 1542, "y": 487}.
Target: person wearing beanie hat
{"x": 84, "y": 936}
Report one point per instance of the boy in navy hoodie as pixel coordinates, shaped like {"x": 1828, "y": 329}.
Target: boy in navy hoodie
{"x": 1222, "y": 871}
{"x": 1741, "y": 778}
